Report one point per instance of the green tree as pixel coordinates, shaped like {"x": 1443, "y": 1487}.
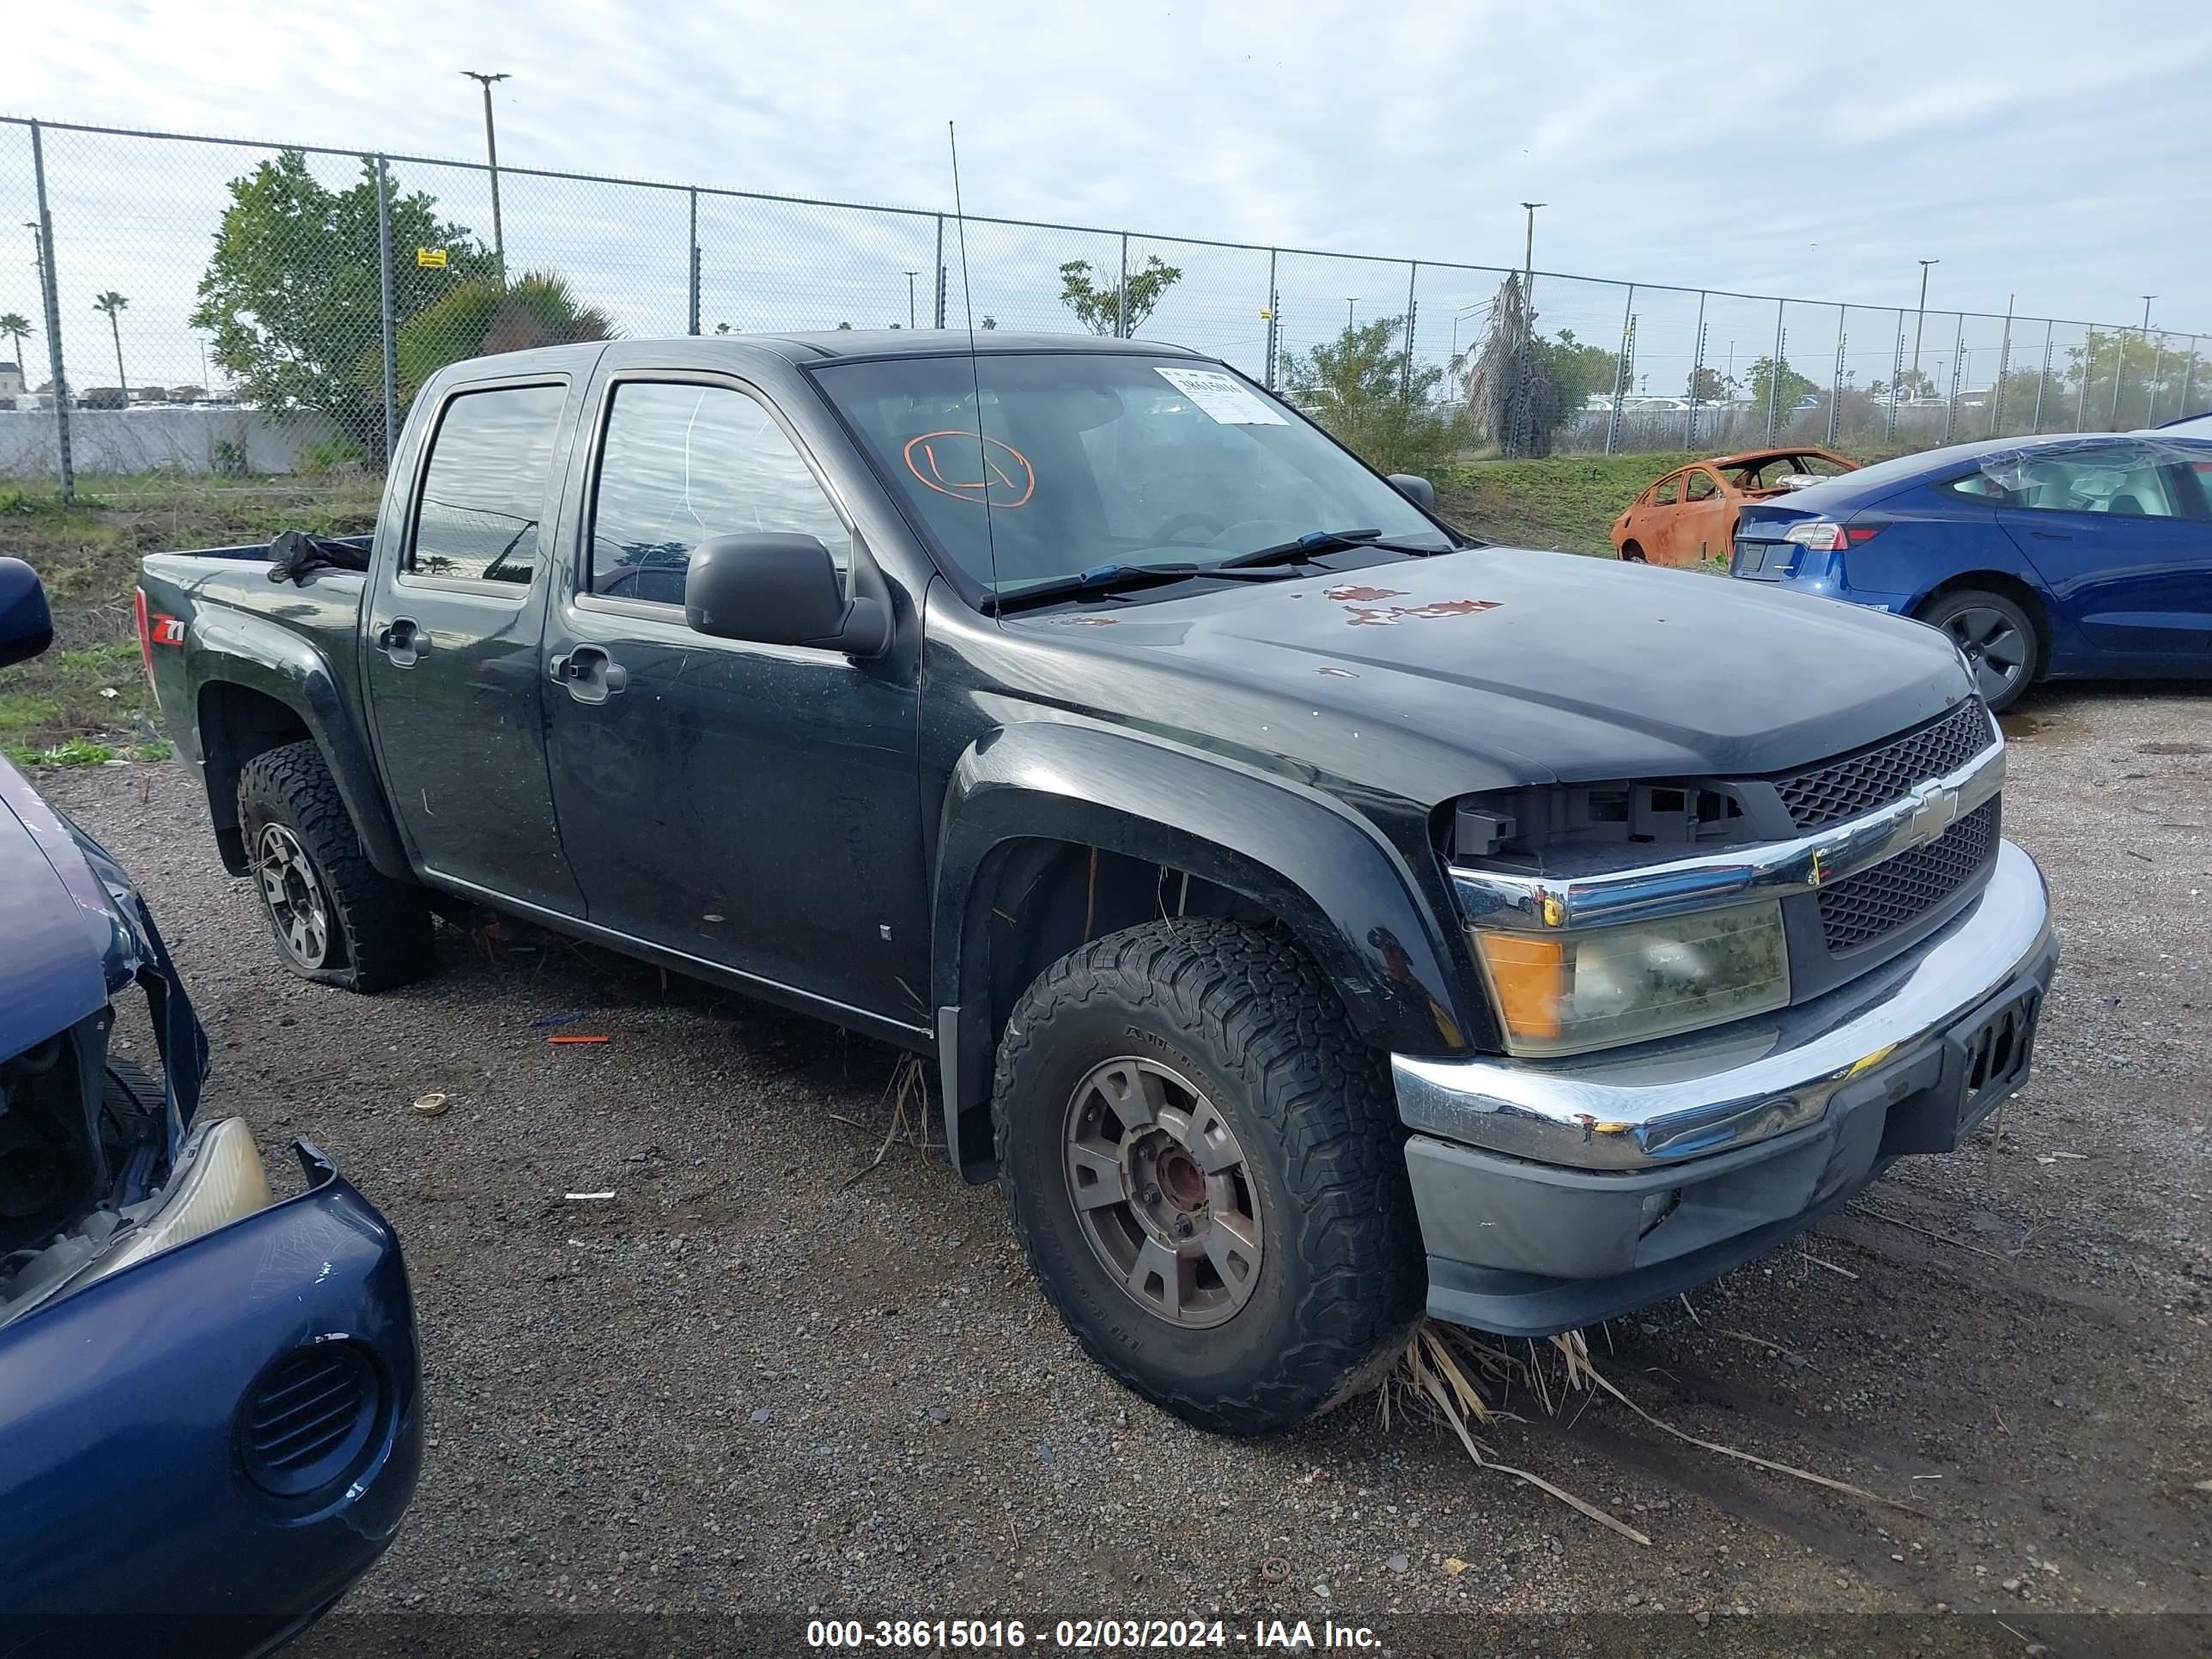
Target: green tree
{"x": 1098, "y": 305}
{"x": 1784, "y": 386}
{"x": 1910, "y": 383}
{"x": 113, "y": 304}
{"x": 1578, "y": 372}
{"x": 483, "y": 318}
{"x": 15, "y": 325}
{"x": 1358, "y": 386}
{"x": 1705, "y": 386}
{"x": 2153, "y": 378}
{"x": 291, "y": 292}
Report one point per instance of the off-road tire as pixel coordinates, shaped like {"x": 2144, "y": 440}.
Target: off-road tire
{"x": 1244, "y": 1014}
{"x": 379, "y": 928}
{"x": 1951, "y": 611}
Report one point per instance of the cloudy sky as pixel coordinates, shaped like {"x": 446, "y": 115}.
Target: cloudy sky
{"x": 2052, "y": 151}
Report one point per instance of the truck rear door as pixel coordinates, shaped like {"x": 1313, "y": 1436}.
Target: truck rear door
{"x": 452, "y": 632}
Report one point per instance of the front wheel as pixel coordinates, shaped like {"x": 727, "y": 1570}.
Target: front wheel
{"x": 1207, "y": 1172}
{"x": 1997, "y": 638}
{"x": 1631, "y": 553}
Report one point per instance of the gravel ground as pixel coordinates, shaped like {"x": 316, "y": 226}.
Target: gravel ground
{"x": 754, "y": 1383}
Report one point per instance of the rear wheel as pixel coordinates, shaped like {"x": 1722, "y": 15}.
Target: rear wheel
{"x": 1208, "y": 1171}
{"x": 338, "y": 920}
{"x": 1996, "y": 636}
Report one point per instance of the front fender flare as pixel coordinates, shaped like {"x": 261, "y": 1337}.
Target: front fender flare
{"x": 1345, "y": 893}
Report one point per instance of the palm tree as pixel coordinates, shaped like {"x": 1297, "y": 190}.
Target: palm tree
{"x": 15, "y": 325}
{"x": 113, "y": 303}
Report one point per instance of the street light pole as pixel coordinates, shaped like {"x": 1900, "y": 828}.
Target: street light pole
{"x": 1923, "y": 322}
{"x": 2146, "y": 298}
{"x": 910, "y": 275}
{"x": 491, "y": 150}
{"x": 1350, "y": 300}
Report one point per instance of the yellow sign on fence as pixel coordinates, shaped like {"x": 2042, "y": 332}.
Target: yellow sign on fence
{"x": 433, "y": 257}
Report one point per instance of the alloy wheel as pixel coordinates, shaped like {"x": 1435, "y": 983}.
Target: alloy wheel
{"x": 1993, "y": 646}
{"x": 1164, "y": 1192}
{"x": 294, "y": 893}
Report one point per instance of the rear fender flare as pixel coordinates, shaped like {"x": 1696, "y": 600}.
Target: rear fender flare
{"x": 234, "y": 647}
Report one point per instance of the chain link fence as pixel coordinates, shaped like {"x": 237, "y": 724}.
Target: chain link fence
{"x": 218, "y": 305}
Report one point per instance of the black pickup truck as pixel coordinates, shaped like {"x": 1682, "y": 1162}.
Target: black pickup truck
{"x": 1313, "y": 917}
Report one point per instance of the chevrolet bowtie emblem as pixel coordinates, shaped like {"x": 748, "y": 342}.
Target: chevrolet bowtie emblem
{"x": 1934, "y": 808}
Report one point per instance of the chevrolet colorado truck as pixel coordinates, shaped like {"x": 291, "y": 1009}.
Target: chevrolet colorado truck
{"x": 1313, "y": 917}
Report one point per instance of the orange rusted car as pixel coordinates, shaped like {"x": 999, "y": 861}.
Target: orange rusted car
{"x": 1688, "y": 517}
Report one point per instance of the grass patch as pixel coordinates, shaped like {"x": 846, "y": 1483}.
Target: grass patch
{"x": 91, "y": 685}
{"x": 1566, "y": 503}
{"x": 73, "y": 751}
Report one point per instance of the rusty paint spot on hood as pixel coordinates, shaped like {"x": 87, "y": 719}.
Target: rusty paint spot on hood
{"x": 1353, "y": 591}
{"x": 1390, "y": 616}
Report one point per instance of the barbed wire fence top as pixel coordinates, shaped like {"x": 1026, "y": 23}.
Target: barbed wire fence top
{"x": 216, "y": 304}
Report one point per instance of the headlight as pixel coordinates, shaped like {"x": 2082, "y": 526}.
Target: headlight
{"x": 1561, "y": 994}
{"x": 218, "y": 1180}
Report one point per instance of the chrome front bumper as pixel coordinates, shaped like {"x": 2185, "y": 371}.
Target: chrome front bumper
{"x": 1661, "y": 1102}
{"x": 1554, "y": 1194}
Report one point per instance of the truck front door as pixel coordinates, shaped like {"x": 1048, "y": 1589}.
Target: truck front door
{"x": 452, "y": 659}
{"x": 756, "y": 806}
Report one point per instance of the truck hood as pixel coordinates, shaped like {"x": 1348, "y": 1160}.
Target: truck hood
{"x": 1495, "y": 667}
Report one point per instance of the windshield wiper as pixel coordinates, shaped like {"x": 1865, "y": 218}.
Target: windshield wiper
{"x": 1100, "y": 580}
{"x": 1321, "y": 541}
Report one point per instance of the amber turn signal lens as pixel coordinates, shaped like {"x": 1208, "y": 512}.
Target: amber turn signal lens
{"x": 1529, "y": 978}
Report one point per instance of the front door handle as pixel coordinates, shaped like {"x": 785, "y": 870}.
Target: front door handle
{"x": 403, "y": 640}
{"x": 590, "y": 674}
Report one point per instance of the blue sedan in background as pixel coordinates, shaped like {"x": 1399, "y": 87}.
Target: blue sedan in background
{"x": 210, "y": 1414}
{"x": 2041, "y": 556}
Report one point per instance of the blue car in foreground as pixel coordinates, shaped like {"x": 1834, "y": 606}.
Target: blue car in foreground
{"x": 2040, "y": 556}
{"x": 210, "y": 1417}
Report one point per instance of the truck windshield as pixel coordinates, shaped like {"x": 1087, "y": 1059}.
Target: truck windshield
{"x": 1089, "y": 459}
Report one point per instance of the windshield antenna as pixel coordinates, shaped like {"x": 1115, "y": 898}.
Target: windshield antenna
{"x": 975, "y": 368}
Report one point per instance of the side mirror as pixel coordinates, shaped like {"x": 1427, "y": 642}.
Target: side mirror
{"x": 779, "y": 590}
{"x": 27, "y": 627}
{"x": 1416, "y": 489}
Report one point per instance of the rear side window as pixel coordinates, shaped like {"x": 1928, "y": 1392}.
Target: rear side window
{"x": 484, "y": 489}
{"x": 682, "y": 463}
{"x": 1701, "y": 487}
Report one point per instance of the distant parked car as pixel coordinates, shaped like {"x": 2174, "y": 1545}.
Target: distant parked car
{"x": 2189, "y": 425}
{"x": 2040, "y": 556}
{"x": 1688, "y": 517}
{"x": 210, "y": 1417}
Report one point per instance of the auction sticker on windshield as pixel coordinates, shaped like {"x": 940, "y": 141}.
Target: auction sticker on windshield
{"x": 1221, "y": 397}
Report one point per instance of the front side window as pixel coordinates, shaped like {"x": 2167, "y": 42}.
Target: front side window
{"x": 1668, "y": 491}
{"x": 1087, "y": 459}
{"x": 483, "y": 491}
{"x": 683, "y": 463}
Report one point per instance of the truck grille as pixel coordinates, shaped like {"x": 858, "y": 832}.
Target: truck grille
{"x": 1862, "y": 909}
{"x": 1840, "y": 789}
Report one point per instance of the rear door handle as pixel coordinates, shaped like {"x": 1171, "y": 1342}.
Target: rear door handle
{"x": 403, "y": 640}
{"x": 590, "y": 674}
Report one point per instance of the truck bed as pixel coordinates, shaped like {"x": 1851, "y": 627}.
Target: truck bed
{"x": 219, "y": 597}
